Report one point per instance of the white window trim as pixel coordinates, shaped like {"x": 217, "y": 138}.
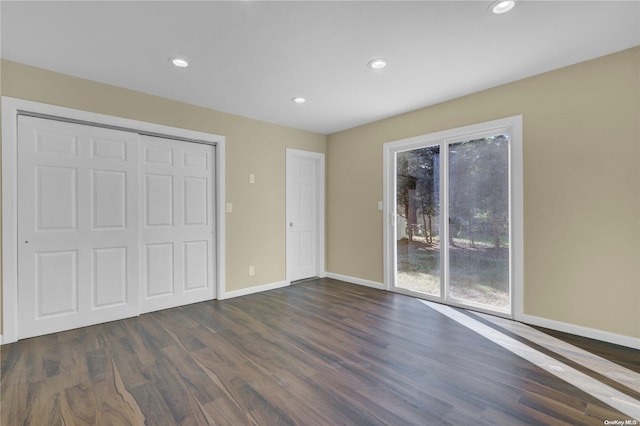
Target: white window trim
{"x": 11, "y": 108}
{"x": 514, "y": 126}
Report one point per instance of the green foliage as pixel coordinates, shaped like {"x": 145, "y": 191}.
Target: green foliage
{"x": 418, "y": 185}
{"x": 478, "y": 188}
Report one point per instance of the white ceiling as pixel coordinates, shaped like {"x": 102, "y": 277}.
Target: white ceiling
{"x": 250, "y": 58}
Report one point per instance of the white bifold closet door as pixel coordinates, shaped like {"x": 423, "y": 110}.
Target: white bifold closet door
{"x": 111, "y": 224}
{"x": 178, "y": 229}
{"x": 77, "y": 225}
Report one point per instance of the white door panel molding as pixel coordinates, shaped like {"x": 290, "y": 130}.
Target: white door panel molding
{"x": 73, "y": 216}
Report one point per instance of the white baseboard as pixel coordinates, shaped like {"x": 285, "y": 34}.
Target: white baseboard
{"x": 354, "y": 280}
{"x": 0, "y": 339}
{"x": 252, "y": 290}
{"x": 591, "y": 333}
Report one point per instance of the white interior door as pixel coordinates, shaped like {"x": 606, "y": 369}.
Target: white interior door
{"x": 77, "y": 229}
{"x": 303, "y": 171}
{"x": 178, "y": 223}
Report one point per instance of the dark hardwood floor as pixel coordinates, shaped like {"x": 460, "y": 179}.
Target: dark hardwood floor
{"x": 318, "y": 353}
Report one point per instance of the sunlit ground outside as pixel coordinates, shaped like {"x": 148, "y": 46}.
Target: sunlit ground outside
{"x": 478, "y": 275}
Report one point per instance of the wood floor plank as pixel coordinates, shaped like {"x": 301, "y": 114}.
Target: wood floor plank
{"x": 128, "y": 363}
{"x": 319, "y": 353}
{"x": 226, "y": 413}
{"x": 152, "y": 405}
{"x": 78, "y": 405}
{"x": 195, "y": 380}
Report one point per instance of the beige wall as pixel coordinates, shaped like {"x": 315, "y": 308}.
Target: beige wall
{"x": 256, "y": 229}
{"x": 581, "y": 188}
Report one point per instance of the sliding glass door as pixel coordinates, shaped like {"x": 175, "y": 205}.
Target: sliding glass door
{"x": 478, "y": 231}
{"x": 450, "y": 200}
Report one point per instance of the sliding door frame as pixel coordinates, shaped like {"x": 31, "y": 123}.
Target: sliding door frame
{"x": 511, "y": 125}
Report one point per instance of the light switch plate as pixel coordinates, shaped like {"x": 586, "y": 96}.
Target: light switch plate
{"x": 252, "y": 178}
{"x": 380, "y": 205}
{"x": 229, "y": 208}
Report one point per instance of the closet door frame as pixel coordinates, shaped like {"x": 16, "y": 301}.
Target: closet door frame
{"x": 11, "y": 109}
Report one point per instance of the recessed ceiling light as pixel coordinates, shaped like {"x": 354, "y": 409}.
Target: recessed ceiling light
{"x": 502, "y": 6}
{"x": 298, "y": 100}
{"x": 378, "y": 63}
{"x": 180, "y": 62}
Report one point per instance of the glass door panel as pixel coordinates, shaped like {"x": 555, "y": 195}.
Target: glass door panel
{"x": 478, "y": 212}
{"x": 418, "y": 256}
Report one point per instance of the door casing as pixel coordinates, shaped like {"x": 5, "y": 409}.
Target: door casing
{"x": 11, "y": 108}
